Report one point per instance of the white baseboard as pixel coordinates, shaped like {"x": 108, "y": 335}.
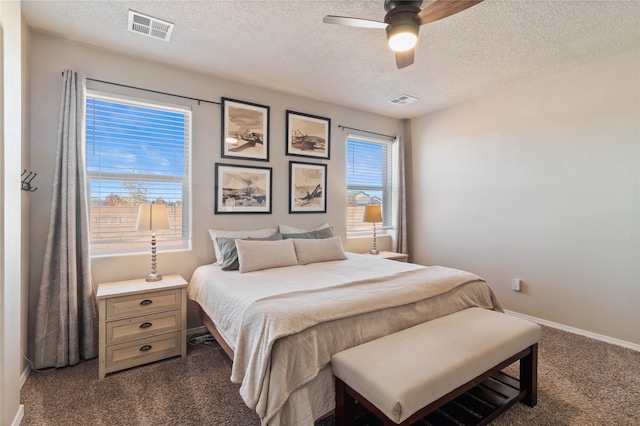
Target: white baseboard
{"x": 19, "y": 415}
{"x": 602, "y": 338}
{"x": 24, "y": 375}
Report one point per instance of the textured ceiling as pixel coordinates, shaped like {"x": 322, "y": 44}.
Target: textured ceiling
{"x": 283, "y": 45}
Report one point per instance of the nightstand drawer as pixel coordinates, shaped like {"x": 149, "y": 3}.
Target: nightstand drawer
{"x": 143, "y": 326}
{"x": 131, "y": 354}
{"x": 142, "y": 304}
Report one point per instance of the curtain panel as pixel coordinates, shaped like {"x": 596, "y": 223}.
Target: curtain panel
{"x": 399, "y": 209}
{"x": 66, "y": 317}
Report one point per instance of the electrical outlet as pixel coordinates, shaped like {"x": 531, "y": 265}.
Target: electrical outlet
{"x": 516, "y": 284}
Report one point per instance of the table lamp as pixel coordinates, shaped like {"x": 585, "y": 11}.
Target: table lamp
{"x": 373, "y": 214}
{"x": 152, "y": 217}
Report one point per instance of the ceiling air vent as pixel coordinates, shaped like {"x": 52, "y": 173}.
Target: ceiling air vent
{"x": 149, "y": 26}
{"x": 402, "y": 100}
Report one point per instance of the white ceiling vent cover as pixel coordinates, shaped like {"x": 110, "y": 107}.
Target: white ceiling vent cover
{"x": 402, "y": 100}
{"x": 149, "y": 26}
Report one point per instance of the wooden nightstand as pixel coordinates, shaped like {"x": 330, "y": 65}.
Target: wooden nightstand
{"x": 400, "y": 257}
{"x": 141, "y": 322}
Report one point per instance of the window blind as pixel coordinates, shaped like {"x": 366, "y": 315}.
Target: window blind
{"x": 137, "y": 152}
{"x": 368, "y": 180}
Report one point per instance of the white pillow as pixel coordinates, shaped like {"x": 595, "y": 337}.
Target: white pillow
{"x": 322, "y": 250}
{"x": 257, "y": 255}
{"x": 284, "y": 229}
{"x": 244, "y": 233}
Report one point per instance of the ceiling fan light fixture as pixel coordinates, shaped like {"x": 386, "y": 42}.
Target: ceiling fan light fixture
{"x": 402, "y": 41}
{"x": 402, "y": 31}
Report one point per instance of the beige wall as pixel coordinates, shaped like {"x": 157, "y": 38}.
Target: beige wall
{"x": 50, "y": 56}
{"x": 11, "y": 140}
{"x": 540, "y": 182}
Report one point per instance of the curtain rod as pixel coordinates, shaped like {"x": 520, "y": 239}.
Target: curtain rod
{"x": 366, "y": 131}
{"x": 152, "y": 91}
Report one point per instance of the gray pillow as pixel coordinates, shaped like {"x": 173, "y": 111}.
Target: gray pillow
{"x": 229, "y": 250}
{"x": 311, "y": 235}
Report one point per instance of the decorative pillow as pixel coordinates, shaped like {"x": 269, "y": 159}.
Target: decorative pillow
{"x": 249, "y": 233}
{"x": 321, "y": 250}
{"x": 309, "y": 235}
{"x": 229, "y": 251}
{"x": 257, "y": 255}
{"x": 284, "y": 229}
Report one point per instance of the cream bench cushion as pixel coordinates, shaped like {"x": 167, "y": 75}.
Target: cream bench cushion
{"x": 405, "y": 371}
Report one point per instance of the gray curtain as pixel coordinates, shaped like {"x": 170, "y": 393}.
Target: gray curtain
{"x": 66, "y": 320}
{"x": 399, "y": 209}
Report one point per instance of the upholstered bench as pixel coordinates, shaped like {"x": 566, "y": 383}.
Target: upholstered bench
{"x": 405, "y": 376}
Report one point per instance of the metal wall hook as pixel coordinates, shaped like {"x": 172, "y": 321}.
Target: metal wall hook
{"x": 26, "y": 181}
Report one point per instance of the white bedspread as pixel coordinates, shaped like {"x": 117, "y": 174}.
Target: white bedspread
{"x": 285, "y": 323}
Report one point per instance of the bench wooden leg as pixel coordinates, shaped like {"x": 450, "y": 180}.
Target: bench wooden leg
{"x": 345, "y": 406}
{"x": 529, "y": 376}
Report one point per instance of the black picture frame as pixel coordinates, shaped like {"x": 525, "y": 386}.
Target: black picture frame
{"x": 245, "y": 130}
{"x": 308, "y": 135}
{"x": 242, "y": 189}
{"x": 307, "y": 187}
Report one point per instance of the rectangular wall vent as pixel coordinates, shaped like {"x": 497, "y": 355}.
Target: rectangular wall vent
{"x": 402, "y": 100}
{"x": 150, "y": 26}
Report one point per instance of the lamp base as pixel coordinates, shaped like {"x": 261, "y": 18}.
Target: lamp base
{"x": 154, "y": 277}
{"x": 374, "y": 251}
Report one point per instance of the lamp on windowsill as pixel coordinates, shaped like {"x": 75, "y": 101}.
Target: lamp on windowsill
{"x": 152, "y": 217}
{"x": 373, "y": 214}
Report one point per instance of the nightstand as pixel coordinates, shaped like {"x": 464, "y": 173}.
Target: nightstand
{"x": 400, "y": 257}
{"x": 141, "y": 322}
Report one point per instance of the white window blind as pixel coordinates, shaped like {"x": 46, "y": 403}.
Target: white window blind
{"x": 368, "y": 180}
{"x": 137, "y": 152}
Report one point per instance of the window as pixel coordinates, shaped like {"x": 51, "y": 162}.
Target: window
{"x": 137, "y": 152}
{"x": 368, "y": 180}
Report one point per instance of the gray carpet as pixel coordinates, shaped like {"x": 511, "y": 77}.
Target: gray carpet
{"x": 581, "y": 382}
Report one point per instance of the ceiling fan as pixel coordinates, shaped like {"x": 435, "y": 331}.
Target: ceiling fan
{"x": 402, "y": 22}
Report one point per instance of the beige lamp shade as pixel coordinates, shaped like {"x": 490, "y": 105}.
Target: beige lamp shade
{"x": 372, "y": 213}
{"x": 152, "y": 217}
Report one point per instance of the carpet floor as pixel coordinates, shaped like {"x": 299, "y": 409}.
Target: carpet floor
{"x": 581, "y": 382}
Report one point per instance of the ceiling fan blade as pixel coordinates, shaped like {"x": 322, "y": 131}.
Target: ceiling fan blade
{"x": 404, "y": 59}
{"x": 443, "y": 8}
{"x": 353, "y": 22}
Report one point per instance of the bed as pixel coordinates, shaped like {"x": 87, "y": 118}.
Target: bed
{"x": 281, "y": 325}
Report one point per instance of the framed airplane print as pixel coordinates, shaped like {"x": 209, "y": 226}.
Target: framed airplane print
{"x": 308, "y": 135}
{"x": 307, "y": 187}
{"x": 245, "y": 130}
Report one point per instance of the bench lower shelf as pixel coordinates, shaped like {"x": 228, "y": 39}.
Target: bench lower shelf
{"x": 478, "y": 406}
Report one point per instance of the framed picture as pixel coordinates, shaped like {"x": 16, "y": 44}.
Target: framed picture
{"x": 308, "y": 135}
{"x": 245, "y": 130}
{"x": 307, "y": 188}
{"x": 242, "y": 189}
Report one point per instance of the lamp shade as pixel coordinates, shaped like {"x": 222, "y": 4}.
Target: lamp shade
{"x": 152, "y": 217}
{"x": 372, "y": 213}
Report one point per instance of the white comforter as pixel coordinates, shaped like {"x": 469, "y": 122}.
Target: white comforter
{"x": 285, "y": 323}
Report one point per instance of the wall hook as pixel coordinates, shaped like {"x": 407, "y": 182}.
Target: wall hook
{"x": 26, "y": 181}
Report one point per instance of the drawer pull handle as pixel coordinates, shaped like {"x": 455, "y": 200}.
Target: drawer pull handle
{"x": 145, "y": 325}
{"x": 145, "y": 348}
{"x": 146, "y": 302}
